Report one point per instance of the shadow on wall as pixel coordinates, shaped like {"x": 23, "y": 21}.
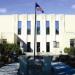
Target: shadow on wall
{"x": 24, "y": 47}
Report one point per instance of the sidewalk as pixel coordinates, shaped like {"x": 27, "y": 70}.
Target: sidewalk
{"x": 10, "y": 69}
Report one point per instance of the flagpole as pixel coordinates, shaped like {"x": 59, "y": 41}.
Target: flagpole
{"x": 35, "y": 33}
{"x": 37, "y": 7}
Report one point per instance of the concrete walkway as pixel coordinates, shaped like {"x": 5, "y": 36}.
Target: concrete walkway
{"x": 10, "y": 69}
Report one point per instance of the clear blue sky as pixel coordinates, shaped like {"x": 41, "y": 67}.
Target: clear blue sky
{"x": 27, "y": 6}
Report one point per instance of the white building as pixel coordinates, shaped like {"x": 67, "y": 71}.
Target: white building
{"x": 21, "y": 29}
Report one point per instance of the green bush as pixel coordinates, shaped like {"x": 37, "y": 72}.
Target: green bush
{"x": 12, "y": 48}
{"x": 70, "y": 51}
{"x": 4, "y": 48}
{"x": 7, "y": 51}
{"x": 67, "y": 50}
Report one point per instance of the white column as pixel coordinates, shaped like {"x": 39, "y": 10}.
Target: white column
{"x": 43, "y": 33}
{"x": 52, "y": 32}
{"x": 32, "y": 31}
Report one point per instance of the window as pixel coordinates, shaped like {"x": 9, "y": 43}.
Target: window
{"x": 19, "y": 27}
{"x": 72, "y": 42}
{"x": 18, "y": 43}
{"x": 38, "y": 46}
{"x": 47, "y": 27}
{"x": 47, "y": 47}
{"x": 28, "y": 27}
{"x": 38, "y": 27}
{"x": 4, "y": 41}
{"x": 56, "y": 27}
{"x": 28, "y": 47}
{"x": 56, "y": 44}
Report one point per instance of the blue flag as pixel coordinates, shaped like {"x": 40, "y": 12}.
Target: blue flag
{"x": 38, "y": 8}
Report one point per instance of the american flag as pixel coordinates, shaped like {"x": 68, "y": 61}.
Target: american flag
{"x": 38, "y": 8}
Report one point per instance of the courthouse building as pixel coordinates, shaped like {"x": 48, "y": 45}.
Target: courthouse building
{"x": 54, "y": 32}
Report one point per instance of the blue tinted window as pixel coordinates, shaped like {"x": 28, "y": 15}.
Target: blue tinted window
{"x": 28, "y": 27}
{"x": 47, "y": 27}
{"x": 57, "y": 27}
{"x": 19, "y": 27}
{"x": 38, "y": 27}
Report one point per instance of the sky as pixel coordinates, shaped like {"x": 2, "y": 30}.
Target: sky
{"x": 28, "y": 6}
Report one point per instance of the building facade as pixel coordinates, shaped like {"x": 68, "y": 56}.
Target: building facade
{"x": 54, "y": 32}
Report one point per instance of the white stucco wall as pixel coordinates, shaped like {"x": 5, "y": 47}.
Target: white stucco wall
{"x": 9, "y": 25}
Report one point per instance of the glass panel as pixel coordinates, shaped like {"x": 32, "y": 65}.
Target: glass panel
{"x": 57, "y": 27}
{"x": 38, "y": 27}
{"x": 19, "y": 27}
{"x": 28, "y": 27}
{"x": 56, "y": 44}
{"x": 28, "y": 47}
{"x": 38, "y": 46}
{"x": 47, "y": 27}
{"x": 72, "y": 43}
{"x": 47, "y": 47}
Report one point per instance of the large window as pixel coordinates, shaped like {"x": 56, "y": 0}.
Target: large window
{"x": 72, "y": 43}
{"x": 47, "y": 47}
{"x": 28, "y": 47}
{"x": 56, "y": 44}
{"x": 38, "y": 27}
{"x": 19, "y": 27}
{"x": 28, "y": 27}
{"x": 38, "y": 46}
{"x": 47, "y": 27}
{"x": 57, "y": 27}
